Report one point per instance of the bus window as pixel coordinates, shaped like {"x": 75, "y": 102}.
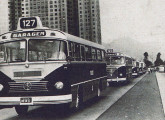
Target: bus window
{"x": 88, "y": 53}
{"x": 93, "y": 54}
{"x": 41, "y": 50}
{"x": 82, "y": 53}
{"x": 63, "y": 50}
{"x": 117, "y": 60}
{"x": 71, "y": 49}
{"x": 77, "y": 52}
{"x": 103, "y": 54}
{"x": 99, "y": 55}
{"x": 12, "y": 51}
{"x": 2, "y": 54}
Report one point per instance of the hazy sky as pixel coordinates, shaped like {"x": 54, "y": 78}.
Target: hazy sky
{"x": 142, "y": 20}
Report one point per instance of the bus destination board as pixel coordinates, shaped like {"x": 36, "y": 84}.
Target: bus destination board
{"x": 27, "y": 23}
{"x": 28, "y": 34}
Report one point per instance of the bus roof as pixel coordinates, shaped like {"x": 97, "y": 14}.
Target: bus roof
{"x": 60, "y": 34}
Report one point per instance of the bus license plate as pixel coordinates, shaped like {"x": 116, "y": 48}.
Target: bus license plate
{"x": 26, "y": 101}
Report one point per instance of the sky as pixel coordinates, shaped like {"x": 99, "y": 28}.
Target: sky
{"x": 141, "y": 20}
{"x": 3, "y": 16}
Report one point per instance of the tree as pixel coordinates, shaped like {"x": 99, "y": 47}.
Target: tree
{"x": 146, "y": 61}
{"x": 146, "y": 55}
{"x": 158, "y": 61}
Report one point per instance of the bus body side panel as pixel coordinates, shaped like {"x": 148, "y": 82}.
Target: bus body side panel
{"x": 129, "y": 72}
{"x": 86, "y": 77}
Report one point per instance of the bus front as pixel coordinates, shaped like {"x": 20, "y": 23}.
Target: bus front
{"x": 135, "y": 69}
{"x": 116, "y": 70}
{"x": 32, "y": 69}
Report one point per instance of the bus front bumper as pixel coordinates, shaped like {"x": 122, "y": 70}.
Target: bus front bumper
{"x": 116, "y": 80}
{"x": 134, "y": 74}
{"x": 36, "y": 100}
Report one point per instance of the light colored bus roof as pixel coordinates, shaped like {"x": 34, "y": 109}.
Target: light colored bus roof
{"x": 68, "y": 37}
{"x": 83, "y": 41}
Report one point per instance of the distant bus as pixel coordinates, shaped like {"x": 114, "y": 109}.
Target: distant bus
{"x": 141, "y": 68}
{"x": 161, "y": 68}
{"x": 42, "y": 66}
{"x": 119, "y": 67}
{"x": 135, "y": 68}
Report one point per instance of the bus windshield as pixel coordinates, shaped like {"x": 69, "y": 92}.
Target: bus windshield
{"x": 13, "y": 51}
{"x": 117, "y": 60}
{"x": 46, "y": 50}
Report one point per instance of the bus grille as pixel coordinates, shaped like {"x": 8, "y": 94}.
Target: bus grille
{"x": 111, "y": 70}
{"x": 27, "y": 73}
{"x": 28, "y": 86}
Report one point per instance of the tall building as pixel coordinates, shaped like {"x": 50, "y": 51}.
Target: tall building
{"x": 78, "y": 17}
{"x": 53, "y": 13}
{"x": 15, "y": 12}
{"x": 84, "y": 19}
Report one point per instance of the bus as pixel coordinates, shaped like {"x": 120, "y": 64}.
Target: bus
{"x": 141, "y": 68}
{"x": 161, "y": 68}
{"x": 119, "y": 67}
{"x": 42, "y": 66}
{"x": 135, "y": 68}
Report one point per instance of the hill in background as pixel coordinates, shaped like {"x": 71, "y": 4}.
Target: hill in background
{"x": 134, "y": 48}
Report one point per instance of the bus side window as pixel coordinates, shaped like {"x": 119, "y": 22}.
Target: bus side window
{"x": 77, "y": 52}
{"x": 70, "y": 49}
{"x": 63, "y": 50}
{"x": 93, "y": 54}
{"x": 83, "y": 53}
{"x": 88, "y": 53}
{"x": 103, "y": 55}
{"x": 99, "y": 55}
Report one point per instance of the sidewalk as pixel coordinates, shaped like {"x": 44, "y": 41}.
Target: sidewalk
{"x": 161, "y": 83}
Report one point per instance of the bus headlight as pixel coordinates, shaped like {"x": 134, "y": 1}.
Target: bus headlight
{"x": 120, "y": 74}
{"x": 1, "y": 87}
{"x": 59, "y": 85}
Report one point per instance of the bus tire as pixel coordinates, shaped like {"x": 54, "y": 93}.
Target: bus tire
{"x": 21, "y": 110}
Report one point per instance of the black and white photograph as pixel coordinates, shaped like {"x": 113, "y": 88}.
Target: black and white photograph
{"x": 82, "y": 59}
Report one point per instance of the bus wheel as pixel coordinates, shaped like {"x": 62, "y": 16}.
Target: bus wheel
{"x": 21, "y": 110}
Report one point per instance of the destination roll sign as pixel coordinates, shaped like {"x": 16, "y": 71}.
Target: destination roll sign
{"x": 28, "y": 34}
{"x": 26, "y": 23}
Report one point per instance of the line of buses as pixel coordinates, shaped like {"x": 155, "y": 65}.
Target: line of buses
{"x": 42, "y": 66}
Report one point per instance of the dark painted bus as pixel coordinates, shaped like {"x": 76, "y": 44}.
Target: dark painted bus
{"x": 119, "y": 67}
{"x": 42, "y": 66}
{"x": 135, "y": 68}
{"x": 142, "y": 68}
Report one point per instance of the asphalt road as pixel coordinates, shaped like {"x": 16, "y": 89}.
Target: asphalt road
{"x": 142, "y": 102}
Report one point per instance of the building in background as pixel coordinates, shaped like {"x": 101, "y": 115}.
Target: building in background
{"x": 11, "y": 10}
{"x": 53, "y": 13}
{"x": 4, "y": 21}
{"x": 77, "y": 17}
{"x": 15, "y": 11}
{"x": 84, "y": 19}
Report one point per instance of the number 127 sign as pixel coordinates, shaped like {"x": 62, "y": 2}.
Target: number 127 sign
{"x": 26, "y": 23}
